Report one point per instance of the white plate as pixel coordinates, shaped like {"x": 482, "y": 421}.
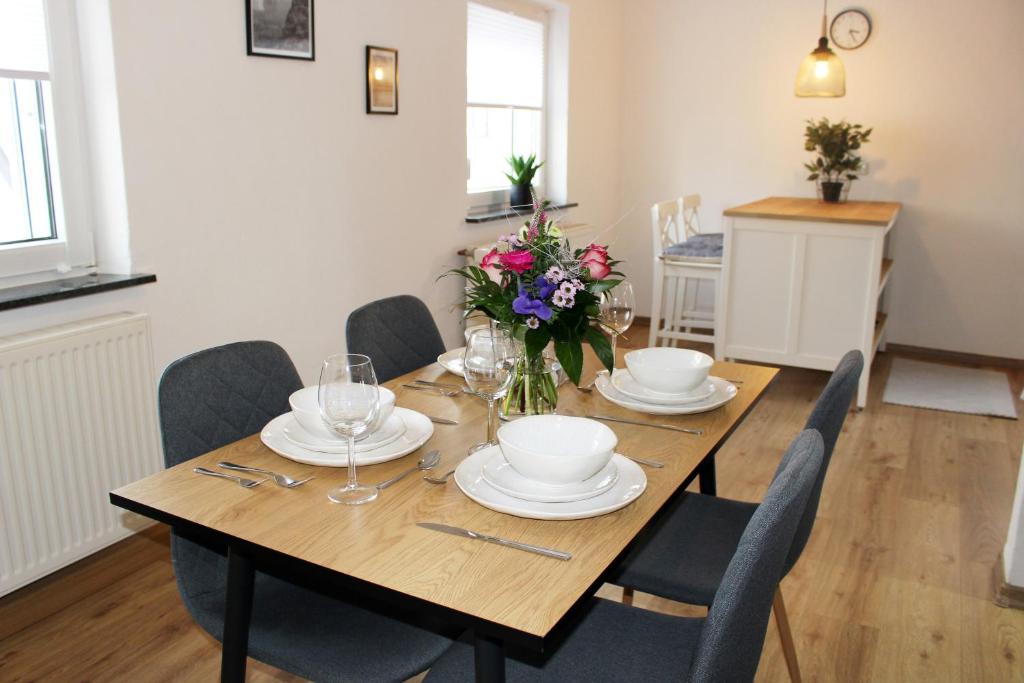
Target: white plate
{"x": 724, "y": 392}
{"x": 452, "y": 361}
{"x": 631, "y": 483}
{"x": 501, "y": 475}
{"x": 418, "y": 429}
{"x": 631, "y": 388}
{"x": 392, "y": 429}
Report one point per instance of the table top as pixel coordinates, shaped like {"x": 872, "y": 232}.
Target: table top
{"x": 803, "y": 209}
{"x": 379, "y": 542}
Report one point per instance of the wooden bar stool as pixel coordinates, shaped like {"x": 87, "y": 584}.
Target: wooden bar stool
{"x": 684, "y": 257}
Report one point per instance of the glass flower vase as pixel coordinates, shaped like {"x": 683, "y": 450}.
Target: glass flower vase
{"x": 534, "y": 387}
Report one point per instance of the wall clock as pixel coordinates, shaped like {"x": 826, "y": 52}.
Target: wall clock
{"x": 850, "y": 29}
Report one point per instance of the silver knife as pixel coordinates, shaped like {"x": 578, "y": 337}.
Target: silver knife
{"x": 641, "y": 423}
{"x": 441, "y": 385}
{"x": 441, "y": 420}
{"x": 466, "y": 533}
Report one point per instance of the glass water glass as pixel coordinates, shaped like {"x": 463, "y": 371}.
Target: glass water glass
{"x": 349, "y": 401}
{"x": 618, "y": 305}
{"x": 490, "y": 355}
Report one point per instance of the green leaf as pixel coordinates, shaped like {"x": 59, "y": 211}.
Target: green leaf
{"x": 603, "y": 285}
{"x": 570, "y": 355}
{"x": 536, "y": 340}
{"x": 602, "y": 347}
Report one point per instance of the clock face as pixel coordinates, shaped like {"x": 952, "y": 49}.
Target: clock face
{"x": 850, "y": 29}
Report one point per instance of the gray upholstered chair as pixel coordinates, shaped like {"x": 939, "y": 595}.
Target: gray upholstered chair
{"x": 398, "y": 334}
{"x": 684, "y": 558}
{"x": 615, "y": 642}
{"x": 217, "y": 396}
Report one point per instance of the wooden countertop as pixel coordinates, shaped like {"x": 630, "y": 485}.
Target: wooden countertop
{"x": 802, "y": 209}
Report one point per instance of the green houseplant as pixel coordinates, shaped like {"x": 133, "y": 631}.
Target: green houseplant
{"x": 837, "y": 161}
{"x": 521, "y": 177}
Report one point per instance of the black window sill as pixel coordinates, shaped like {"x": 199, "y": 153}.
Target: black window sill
{"x": 501, "y": 214}
{"x": 68, "y": 288}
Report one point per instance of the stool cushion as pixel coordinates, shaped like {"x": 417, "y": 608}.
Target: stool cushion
{"x": 705, "y": 246}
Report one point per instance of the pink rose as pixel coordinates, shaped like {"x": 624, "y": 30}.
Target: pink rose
{"x": 489, "y": 263}
{"x": 490, "y": 259}
{"x": 595, "y": 258}
{"x": 518, "y": 261}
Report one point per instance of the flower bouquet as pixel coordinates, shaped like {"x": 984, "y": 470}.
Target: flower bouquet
{"x": 540, "y": 290}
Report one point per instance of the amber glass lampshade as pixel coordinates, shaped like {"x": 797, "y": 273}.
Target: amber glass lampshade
{"x": 821, "y": 73}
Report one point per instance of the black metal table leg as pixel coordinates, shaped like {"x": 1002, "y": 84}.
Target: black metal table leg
{"x": 237, "y": 610}
{"x": 489, "y": 656}
{"x": 706, "y": 476}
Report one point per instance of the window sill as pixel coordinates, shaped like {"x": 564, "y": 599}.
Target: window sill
{"x": 68, "y": 288}
{"x": 509, "y": 212}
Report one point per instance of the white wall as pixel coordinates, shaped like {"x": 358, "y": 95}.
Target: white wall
{"x": 709, "y": 108}
{"x": 270, "y": 205}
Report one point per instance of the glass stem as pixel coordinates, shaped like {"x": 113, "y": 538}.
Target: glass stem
{"x": 352, "y": 482}
{"x": 491, "y": 428}
{"x": 614, "y": 339}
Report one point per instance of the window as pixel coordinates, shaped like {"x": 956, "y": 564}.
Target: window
{"x": 505, "y": 85}
{"x": 33, "y": 233}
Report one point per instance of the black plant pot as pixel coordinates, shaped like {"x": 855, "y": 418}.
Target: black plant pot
{"x": 831, "y": 192}
{"x": 521, "y": 197}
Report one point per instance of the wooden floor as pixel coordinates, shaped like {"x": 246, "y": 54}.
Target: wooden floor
{"x": 895, "y": 584}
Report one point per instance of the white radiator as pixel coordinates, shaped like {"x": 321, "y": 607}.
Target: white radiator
{"x": 77, "y": 419}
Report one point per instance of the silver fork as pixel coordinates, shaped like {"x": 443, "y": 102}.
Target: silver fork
{"x": 241, "y": 481}
{"x": 279, "y": 479}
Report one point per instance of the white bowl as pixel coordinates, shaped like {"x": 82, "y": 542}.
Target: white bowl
{"x": 669, "y": 370}
{"x": 557, "y": 449}
{"x": 306, "y": 409}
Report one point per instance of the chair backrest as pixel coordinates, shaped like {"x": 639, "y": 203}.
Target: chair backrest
{"x": 827, "y": 417}
{"x": 675, "y": 221}
{"x": 691, "y": 214}
{"x": 666, "y": 225}
{"x": 733, "y": 633}
{"x": 213, "y": 397}
{"x": 208, "y": 400}
{"x": 398, "y": 334}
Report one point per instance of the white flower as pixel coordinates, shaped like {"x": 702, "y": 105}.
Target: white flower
{"x": 562, "y": 300}
{"x": 554, "y": 274}
{"x": 567, "y": 289}
{"x": 577, "y": 284}
{"x": 532, "y": 322}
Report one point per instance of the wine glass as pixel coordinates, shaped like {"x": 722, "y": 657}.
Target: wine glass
{"x": 617, "y": 307}
{"x": 349, "y": 401}
{"x": 490, "y": 355}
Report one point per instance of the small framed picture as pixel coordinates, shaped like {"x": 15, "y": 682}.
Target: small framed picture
{"x": 279, "y": 28}
{"x": 381, "y": 80}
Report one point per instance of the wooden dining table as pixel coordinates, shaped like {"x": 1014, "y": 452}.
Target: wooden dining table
{"x": 506, "y": 597}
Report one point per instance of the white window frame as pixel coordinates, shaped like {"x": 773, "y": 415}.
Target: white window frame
{"x": 496, "y": 198}
{"x": 72, "y": 252}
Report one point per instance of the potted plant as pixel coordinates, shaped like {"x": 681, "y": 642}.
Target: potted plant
{"x": 521, "y": 178}
{"x": 837, "y": 162}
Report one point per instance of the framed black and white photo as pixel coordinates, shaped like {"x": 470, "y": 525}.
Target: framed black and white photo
{"x": 280, "y": 28}
{"x": 381, "y": 80}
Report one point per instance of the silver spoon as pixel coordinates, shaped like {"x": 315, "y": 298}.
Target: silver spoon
{"x": 427, "y": 462}
{"x": 443, "y": 479}
{"x": 241, "y": 481}
{"x": 279, "y": 479}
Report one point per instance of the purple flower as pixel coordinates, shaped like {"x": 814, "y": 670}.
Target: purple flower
{"x": 524, "y": 304}
{"x": 544, "y": 287}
